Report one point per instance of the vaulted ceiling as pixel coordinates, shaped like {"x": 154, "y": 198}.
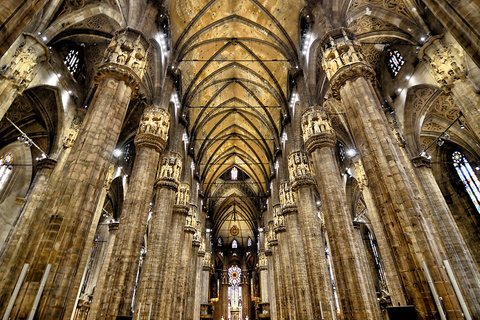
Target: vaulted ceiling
{"x": 234, "y": 58}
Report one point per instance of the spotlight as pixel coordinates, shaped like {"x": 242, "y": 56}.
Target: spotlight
{"x": 117, "y": 153}
{"x": 351, "y": 152}
{"x": 462, "y": 126}
{"x": 440, "y": 142}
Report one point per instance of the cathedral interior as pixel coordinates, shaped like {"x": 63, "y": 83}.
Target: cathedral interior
{"x": 240, "y": 159}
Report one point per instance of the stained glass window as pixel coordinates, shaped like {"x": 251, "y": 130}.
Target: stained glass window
{"x": 249, "y": 242}
{"x": 5, "y": 161}
{"x": 234, "y": 173}
{"x": 330, "y": 271}
{"x": 71, "y": 61}
{"x": 220, "y": 242}
{"x": 468, "y": 177}
{"x": 234, "y": 244}
{"x": 234, "y": 293}
{"x": 395, "y": 62}
{"x": 376, "y": 256}
{"x": 341, "y": 151}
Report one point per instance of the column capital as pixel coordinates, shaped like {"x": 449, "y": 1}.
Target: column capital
{"x": 182, "y": 199}
{"x": 191, "y": 224}
{"x": 153, "y": 129}
{"x": 446, "y": 60}
{"x": 125, "y": 58}
{"x": 169, "y": 171}
{"x": 317, "y": 130}
{"x": 421, "y": 161}
{"x": 342, "y": 59}
{"x": 287, "y": 199}
{"x": 299, "y": 170}
{"x": 262, "y": 261}
{"x": 20, "y": 70}
{"x": 47, "y": 163}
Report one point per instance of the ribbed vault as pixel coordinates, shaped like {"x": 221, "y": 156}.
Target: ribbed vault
{"x": 234, "y": 58}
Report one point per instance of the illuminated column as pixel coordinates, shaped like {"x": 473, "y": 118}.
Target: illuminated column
{"x": 356, "y": 292}
{"x": 160, "y": 238}
{"x": 17, "y": 74}
{"x": 392, "y": 186}
{"x": 150, "y": 141}
{"x": 56, "y": 255}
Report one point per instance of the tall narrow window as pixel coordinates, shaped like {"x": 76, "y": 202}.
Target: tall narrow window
{"x": 5, "y": 169}
{"x": 234, "y": 173}
{"x": 378, "y": 262}
{"x": 234, "y": 244}
{"x": 341, "y": 151}
{"x": 71, "y": 61}
{"x": 330, "y": 271}
{"x": 234, "y": 293}
{"x": 468, "y": 177}
{"x": 395, "y": 62}
{"x": 219, "y": 242}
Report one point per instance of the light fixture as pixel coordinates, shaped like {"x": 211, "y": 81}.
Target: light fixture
{"x": 27, "y": 141}
{"x": 440, "y": 142}
{"x": 462, "y": 126}
{"x": 351, "y": 153}
{"x": 117, "y": 153}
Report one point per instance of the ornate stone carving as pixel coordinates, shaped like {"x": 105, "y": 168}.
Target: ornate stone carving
{"x": 72, "y": 133}
{"x": 360, "y": 173}
{"x": 109, "y": 177}
{"x": 446, "y": 60}
{"x": 421, "y": 161}
{"x": 342, "y": 59}
{"x": 125, "y": 58}
{"x": 191, "y": 220}
{"x": 20, "y": 70}
{"x": 272, "y": 239}
{"x": 169, "y": 170}
{"x": 317, "y": 130}
{"x": 287, "y": 198}
{"x": 396, "y": 6}
{"x": 299, "y": 170}
{"x": 201, "y": 249}
{"x": 197, "y": 236}
{"x": 444, "y": 106}
{"x": 368, "y": 24}
{"x": 278, "y": 220}
{"x": 182, "y": 200}
{"x": 206, "y": 261}
{"x": 262, "y": 261}
{"x": 153, "y": 128}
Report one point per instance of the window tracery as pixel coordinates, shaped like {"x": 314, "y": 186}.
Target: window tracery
{"x": 468, "y": 177}
{"x": 234, "y": 292}
{"x": 71, "y": 61}
{"x": 395, "y": 62}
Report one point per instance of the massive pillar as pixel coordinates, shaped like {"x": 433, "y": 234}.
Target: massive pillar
{"x": 303, "y": 185}
{"x": 357, "y": 294}
{"x": 19, "y": 72}
{"x": 457, "y": 250}
{"x": 56, "y": 255}
{"x": 159, "y": 239}
{"x": 298, "y": 294}
{"x": 394, "y": 191}
{"x": 149, "y": 142}
{"x": 281, "y": 276}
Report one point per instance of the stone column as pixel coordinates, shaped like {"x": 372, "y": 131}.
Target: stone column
{"x": 149, "y": 142}
{"x": 300, "y": 291}
{"x": 302, "y": 184}
{"x": 394, "y": 191}
{"x": 278, "y": 227}
{"x": 448, "y": 67}
{"x": 184, "y": 266}
{"x": 76, "y": 195}
{"x": 357, "y": 294}
{"x": 17, "y": 74}
{"x": 200, "y": 282}
{"x": 193, "y": 281}
{"x": 174, "y": 245}
{"x": 159, "y": 239}
{"x": 457, "y": 250}
{"x": 96, "y": 300}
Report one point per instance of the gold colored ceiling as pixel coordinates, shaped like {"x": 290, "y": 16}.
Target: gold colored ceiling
{"x": 234, "y": 58}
